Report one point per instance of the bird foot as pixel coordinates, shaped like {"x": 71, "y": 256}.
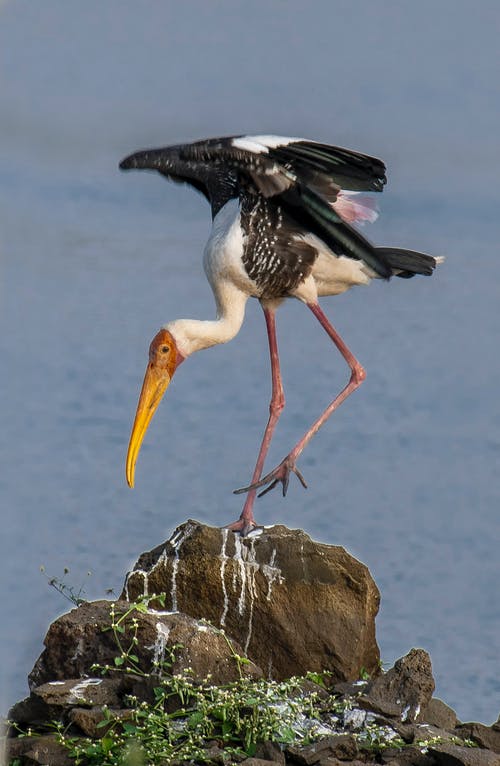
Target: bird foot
{"x": 279, "y": 474}
{"x": 243, "y": 526}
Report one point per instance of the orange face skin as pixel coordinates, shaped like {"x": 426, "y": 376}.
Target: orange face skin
{"x": 163, "y": 352}
{"x": 164, "y": 358}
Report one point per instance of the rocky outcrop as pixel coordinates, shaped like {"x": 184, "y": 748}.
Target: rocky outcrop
{"x": 484, "y": 736}
{"x": 84, "y": 637}
{"x": 352, "y": 733}
{"x": 456, "y": 755}
{"x": 295, "y": 605}
{"x": 404, "y": 690}
{"x": 289, "y": 604}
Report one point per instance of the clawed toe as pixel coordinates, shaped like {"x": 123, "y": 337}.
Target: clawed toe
{"x": 279, "y": 474}
{"x": 243, "y": 526}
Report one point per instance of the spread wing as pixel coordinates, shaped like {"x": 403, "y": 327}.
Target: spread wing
{"x": 303, "y": 176}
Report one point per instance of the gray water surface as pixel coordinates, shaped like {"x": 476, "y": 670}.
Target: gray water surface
{"x": 406, "y": 475}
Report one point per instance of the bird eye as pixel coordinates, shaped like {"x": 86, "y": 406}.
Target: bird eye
{"x": 165, "y": 349}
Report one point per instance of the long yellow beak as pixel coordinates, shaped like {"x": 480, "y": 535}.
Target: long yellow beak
{"x": 161, "y": 367}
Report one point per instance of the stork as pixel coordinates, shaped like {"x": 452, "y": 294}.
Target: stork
{"x": 282, "y": 211}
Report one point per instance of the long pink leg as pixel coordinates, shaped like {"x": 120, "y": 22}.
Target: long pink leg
{"x": 246, "y": 522}
{"x": 282, "y": 472}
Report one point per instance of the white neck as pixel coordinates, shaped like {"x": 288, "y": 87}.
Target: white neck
{"x": 194, "y": 334}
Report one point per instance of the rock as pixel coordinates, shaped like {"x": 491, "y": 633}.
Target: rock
{"x": 290, "y": 603}
{"x": 454, "y": 755}
{"x": 88, "y": 719}
{"x": 81, "y": 638}
{"x": 293, "y": 604}
{"x": 270, "y": 751}
{"x": 410, "y": 756}
{"x": 349, "y": 688}
{"x": 342, "y": 747}
{"x": 216, "y": 755}
{"x": 43, "y": 750}
{"x": 438, "y": 714}
{"x": 332, "y": 761}
{"x": 420, "y": 733}
{"x": 408, "y": 685}
{"x": 86, "y": 691}
{"x": 50, "y": 700}
{"x": 407, "y": 732}
{"x": 379, "y": 705}
{"x": 485, "y": 736}
{"x": 31, "y": 711}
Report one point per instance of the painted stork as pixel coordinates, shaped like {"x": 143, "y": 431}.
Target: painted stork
{"x": 282, "y": 211}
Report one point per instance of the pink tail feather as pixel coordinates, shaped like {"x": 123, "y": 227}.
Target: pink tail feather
{"x": 353, "y": 207}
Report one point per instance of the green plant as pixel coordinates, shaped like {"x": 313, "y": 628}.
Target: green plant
{"x": 376, "y": 739}
{"x": 320, "y": 679}
{"x": 237, "y": 715}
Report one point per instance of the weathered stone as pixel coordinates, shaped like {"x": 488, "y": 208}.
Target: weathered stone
{"x": 42, "y": 750}
{"x": 309, "y": 754}
{"x": 215, "y": 754}
{"x": 454, "y": 755}
{"x": 379, "y": 705}
{"x": 485, "y": 736}
{"x": 409, "y": 685}
{"x": 421, "y": 733}
{"x": 332, "y": 761}
{"x": 437, "y": 713}
{"x": 293, "y": 604}
{"x": 349, "y": 688}
{"x": 89, "y": 720}
{"x": 410, "y": 756}
{"x": 270, "y": 751}
{"x": 405, "y": 731}
{"x": 50, "y": 700}
{"x": 259, "y": 762}
{"x": 342, "y": 747}
{"x": 81, "y": 638}
{"x": 31, "y": 711}
{"x": 86, "y": 691}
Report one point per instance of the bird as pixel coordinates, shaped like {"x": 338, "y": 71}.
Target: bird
{"x": 283, "y": 226}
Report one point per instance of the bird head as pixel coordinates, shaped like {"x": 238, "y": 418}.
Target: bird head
{"x": 164, "y": 358}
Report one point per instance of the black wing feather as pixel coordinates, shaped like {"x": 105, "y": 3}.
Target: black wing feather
{"x": 168, "y": 162}
{"x": 290, "y": 162}
{"x": 348, "y": 169}
{"x": 303, "y": 175}
{"x": 317, "y": 216}
{"x": 272, "y": 170}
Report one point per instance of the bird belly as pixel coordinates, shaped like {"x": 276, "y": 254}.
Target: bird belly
{"x": 334, "y": 274}
{"x": 223, "y": 254}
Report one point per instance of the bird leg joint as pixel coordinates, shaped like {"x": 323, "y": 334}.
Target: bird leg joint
{"x": 358, "y": 374}
{"x": 277, "y": 405}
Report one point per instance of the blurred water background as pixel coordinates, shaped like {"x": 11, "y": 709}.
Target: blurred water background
{"x": 406, "y": 475}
